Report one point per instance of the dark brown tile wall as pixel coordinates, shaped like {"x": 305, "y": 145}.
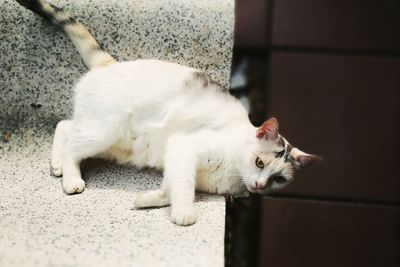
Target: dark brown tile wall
{"x": 334, "y": 84}
{"x": 299, "y": 233}
{"x": 250, "y": 24}
{"x": 343, "y": 24}
{"x": 345, "y": 108}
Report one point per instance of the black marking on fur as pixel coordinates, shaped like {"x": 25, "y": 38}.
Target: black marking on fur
{"x": 286, "y": 150}
{"x": 207, "y": 82}
{"x": 201, "y": 77}
{"x": 36, "y": 7}
{"x": 281, "y": 142}
{"x": 30, "y": 4}
{"x": 67, "y": 20}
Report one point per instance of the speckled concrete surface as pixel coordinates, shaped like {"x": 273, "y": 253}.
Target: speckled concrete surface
{"x": 41, "y": 226}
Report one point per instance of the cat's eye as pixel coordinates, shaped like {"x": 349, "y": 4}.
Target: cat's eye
{"x": 279, "y": 180}
{"x": 280, "y": 154}
{"x": 259, "y": 163}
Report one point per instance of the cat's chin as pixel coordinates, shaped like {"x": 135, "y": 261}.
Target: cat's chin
{"x": 256, "y": 191}
{"x": 259, "y": 191}
{"x": 251, "y": 189}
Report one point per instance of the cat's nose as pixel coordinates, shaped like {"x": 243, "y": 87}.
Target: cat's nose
{"x": 260, "y": 185}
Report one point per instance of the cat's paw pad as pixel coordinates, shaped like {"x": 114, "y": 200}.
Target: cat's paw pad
{"x": 184, "y": 215}
{"x": 73, "y": 186}
{"x": 56, "y": 168}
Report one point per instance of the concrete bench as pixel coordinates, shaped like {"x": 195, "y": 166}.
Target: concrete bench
{"x": 41, "y": 226}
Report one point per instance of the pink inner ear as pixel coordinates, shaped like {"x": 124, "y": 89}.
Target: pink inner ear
{"x": 269, "y": 130}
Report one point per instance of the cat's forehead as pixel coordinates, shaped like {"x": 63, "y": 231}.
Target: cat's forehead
{"x": 278, "y": 150}
{"x": 277, "y": 159}
{"x": 267, "y": 147}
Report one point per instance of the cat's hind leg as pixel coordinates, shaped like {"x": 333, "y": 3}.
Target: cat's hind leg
{"x": 87, "y": 139}
{"x": 153, "y": 198}
{"x": 61, "y": 134}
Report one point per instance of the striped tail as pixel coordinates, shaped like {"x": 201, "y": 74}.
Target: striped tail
{"x": 87, "y": 46}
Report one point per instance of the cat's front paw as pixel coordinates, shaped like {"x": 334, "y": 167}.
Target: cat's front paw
{"x": 56, "y": 168}
{"x": 73, "y": 185}
{"x": 184, "y": 215}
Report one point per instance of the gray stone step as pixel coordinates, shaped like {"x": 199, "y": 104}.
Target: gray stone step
{"x": 41, "y": 226}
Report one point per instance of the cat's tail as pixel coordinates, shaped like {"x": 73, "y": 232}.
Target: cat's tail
{"x": 87, "y": 46}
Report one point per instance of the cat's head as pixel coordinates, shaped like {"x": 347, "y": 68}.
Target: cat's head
{"x": 270, "y": 161}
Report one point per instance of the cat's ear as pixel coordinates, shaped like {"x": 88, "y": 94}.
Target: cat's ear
{"x": 269, "y": 130}
{"x": 301, "y": 159}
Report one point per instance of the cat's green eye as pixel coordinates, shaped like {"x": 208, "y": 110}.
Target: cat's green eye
{"x": 279, "y": 180}
{"x": 259, "y": 163}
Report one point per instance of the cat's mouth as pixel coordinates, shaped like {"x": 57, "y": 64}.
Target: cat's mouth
{"x": 257, "y": 190}
{"x": 260, "y": 190}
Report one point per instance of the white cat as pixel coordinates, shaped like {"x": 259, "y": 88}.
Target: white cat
{"x": 151, "y": 113}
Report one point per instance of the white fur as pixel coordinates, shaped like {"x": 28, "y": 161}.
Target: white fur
{"x": 156, "y": 114}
